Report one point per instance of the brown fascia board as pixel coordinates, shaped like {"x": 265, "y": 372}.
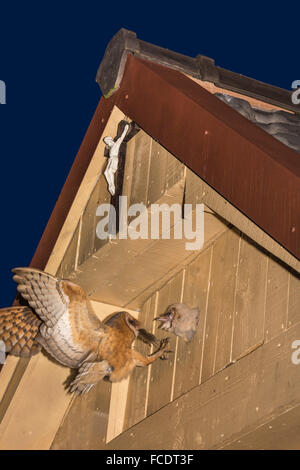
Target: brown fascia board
{"x": 256, "y": 173}
{"x": 111, "y": 70}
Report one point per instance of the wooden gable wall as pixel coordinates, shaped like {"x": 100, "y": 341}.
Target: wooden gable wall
{"x": 247, "y": 299}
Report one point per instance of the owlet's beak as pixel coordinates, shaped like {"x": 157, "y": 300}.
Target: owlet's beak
{"x": 166, "y": 320}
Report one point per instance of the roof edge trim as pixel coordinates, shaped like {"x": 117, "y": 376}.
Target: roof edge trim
{"x": 124, "y": 42}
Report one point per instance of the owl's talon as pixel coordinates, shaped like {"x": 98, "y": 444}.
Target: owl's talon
{"x": 164, "y": 342}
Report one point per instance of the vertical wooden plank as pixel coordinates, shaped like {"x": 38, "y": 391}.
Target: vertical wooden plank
{"x": 161, "y": 376}
{"x": 117, "y": 409}
{"x": 248, "y": 329}
{"x": 89, "y": 242}
{"x": 137, "y": 391}
{"x": 175, "y": 171}
{"x": 85, "y": 424}
{"x": 88, "y": 228}
{"x": 222, "y": 294}
{"x": 189, "y": 355}
{"x": 139, "y": 184}
{"x": 276, "y": 299}
{"x": 69, "y": 261}
{"x": 220, "y": 308}
{"x": 128, "y": 171}
{"x": 157, "y": 172}
{"x": 103, "y": 197}
{"x": 294, "y": 299}
{"x": 194, "y": 188}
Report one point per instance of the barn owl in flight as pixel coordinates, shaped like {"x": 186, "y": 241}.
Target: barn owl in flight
{"x": 61, "y": 320}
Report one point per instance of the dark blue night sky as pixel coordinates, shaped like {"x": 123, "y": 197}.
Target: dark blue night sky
{"x": 50, "y": 53}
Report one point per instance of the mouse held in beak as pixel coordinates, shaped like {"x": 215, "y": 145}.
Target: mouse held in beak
{"x": 181, "y": 320}
{"x": 147, "y": 337}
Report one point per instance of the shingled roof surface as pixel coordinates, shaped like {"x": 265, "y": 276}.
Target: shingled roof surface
{"x": 282, "y": 125}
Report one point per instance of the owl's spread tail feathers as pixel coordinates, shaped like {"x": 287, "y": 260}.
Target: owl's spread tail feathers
{"x": 19, "y": 328}
{"x": 88, "y": 375}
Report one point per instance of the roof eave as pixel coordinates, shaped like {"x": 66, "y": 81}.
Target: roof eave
{"x": 111, "y": 70}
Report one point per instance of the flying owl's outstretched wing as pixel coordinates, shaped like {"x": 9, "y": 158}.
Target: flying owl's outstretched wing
{"x": 70, "y": 330}
{"x": 19, "y": 328}
{"x": 44, "y": 293}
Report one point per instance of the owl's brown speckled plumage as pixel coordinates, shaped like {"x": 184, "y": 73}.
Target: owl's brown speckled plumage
{"x": 62, "y": 321}
{"x": 19, "y": 327}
